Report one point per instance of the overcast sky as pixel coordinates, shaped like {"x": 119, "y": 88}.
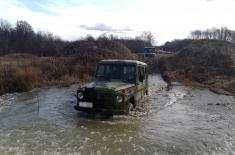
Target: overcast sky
{"x": 166, "y": 19}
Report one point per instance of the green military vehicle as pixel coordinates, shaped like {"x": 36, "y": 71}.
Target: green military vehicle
{"x": 117, "y": 88}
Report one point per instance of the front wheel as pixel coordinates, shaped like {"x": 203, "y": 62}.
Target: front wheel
{"x": 131, "y": 107}
{"x": 146, "y": 92}
{"x": 131, "y": 110}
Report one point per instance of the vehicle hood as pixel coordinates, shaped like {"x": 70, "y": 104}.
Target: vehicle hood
{"x": 109, "y": 85}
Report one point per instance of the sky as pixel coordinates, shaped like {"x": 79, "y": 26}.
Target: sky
{"x": 166, "y": 19}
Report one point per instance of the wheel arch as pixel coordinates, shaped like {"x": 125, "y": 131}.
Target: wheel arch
{"x": 133, "y": 101}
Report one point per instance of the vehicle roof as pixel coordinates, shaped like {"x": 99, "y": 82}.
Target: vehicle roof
{"x": 116, "y": 61}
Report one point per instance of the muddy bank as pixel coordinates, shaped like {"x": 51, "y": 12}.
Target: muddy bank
{"x": 217, "y": 88}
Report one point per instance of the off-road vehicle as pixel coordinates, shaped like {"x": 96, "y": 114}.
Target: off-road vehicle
{"x": 117, "y": 88}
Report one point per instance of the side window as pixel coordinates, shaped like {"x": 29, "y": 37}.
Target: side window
{"x": 141, "y": 73}
{"x": 145, "y": 72}
{"x": 100, "y": 70}
{"x": 129, "y": 73}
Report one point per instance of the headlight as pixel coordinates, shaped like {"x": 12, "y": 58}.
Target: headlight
{"x": 80, "y": 95}
{"x": 119, "y": 99}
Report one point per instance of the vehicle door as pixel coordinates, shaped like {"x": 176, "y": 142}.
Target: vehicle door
{"x": 141, "y": 82}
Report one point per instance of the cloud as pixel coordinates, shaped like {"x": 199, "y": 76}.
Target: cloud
{"x": 106, "y": 28}
{"x": 37, "y": 6}
{"x": 166, "y": 19}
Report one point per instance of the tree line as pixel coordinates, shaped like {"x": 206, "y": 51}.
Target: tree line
{"x": 21, "y": 38}
{"x": 222, "y": 33}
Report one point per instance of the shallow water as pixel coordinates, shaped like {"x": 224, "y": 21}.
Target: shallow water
{"x": 182, "y": 120}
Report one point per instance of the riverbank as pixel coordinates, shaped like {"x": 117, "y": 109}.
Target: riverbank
{"x": 216, "y": 88}
{"x": 204, "y": 63}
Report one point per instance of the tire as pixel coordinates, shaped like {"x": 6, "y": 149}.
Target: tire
{"x": 131, "y": 107}
{"x": 146, "y": 92}
{"x": 132, "y": 110}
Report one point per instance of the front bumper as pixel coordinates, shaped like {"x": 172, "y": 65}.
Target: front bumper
{"x": 103, "y": 111}
{"x": 94, "y": 110}
{"x": 103, "y": 102}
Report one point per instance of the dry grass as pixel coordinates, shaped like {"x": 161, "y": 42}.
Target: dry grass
{"x": 23, "y": 72}
{"x": 205, "y": 63}
{"x": 230, "y": 86}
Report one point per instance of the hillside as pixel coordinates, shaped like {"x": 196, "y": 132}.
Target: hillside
{"x": 31, "y": 59}
{"x": 207, "y": 62}
{"x": 176, "y": 45}
{"x": 94, "y": 50}
{"x": 22, "y": 72}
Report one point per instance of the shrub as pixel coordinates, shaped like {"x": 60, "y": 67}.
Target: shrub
{"x": 67, "y": 80}
{"x": 230, "y": 86}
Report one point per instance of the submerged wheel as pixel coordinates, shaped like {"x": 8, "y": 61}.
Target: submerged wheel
{"x": 131, "y": 110}
{"x": 131, "y": 107}
{"x": 146, "y": 92}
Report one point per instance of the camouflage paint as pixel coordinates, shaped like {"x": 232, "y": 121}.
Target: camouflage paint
{"x": 107, "y": 91}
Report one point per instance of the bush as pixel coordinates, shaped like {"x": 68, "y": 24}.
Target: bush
{"x": 26, "y": 78}
{"x": 15, "y": 79}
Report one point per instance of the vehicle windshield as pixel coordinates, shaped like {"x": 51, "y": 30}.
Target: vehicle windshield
{"x": 121, "y": 72}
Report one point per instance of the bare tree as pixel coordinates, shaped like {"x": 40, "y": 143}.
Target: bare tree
{"x": 222, "y": 33}
{"x": 23, "y": 27}
{"x": 196, "y": 34}
{"x": 148, "y": 37}
{"x": 5, "y": 26}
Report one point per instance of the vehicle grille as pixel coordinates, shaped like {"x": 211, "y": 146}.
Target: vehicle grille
{"x": 104, "y": 100}
{"x": 90, "y": 95}
{"x": 101, "y": 100}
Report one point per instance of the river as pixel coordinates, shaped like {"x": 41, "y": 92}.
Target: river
{"x": 182, "y": 120}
